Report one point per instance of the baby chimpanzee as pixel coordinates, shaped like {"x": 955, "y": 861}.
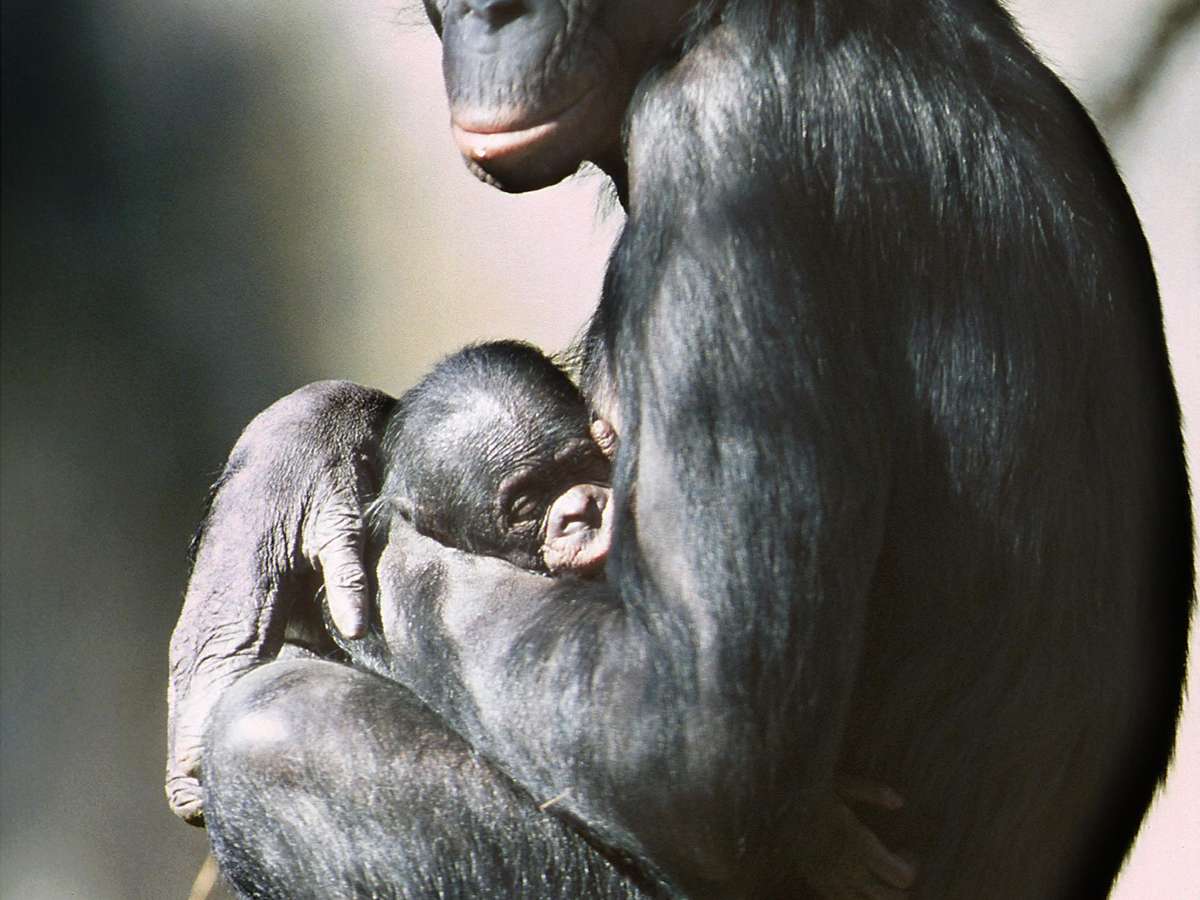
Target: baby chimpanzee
{"x": 494, "y": 452}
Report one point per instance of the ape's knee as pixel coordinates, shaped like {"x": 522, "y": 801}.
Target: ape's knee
{"x": 241, "y": 738}
{"x": 269, "y": 719}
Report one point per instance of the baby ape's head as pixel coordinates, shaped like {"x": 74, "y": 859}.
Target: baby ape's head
{"x": 492, "y": 453}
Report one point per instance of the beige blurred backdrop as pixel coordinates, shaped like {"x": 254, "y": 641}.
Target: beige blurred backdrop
{"x": 208, "y": 204}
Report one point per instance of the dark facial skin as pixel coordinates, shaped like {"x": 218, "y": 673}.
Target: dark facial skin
{"x": 531, "y": 100}
{"x": 539, "y": 504}
{"x": 493, "y": 453}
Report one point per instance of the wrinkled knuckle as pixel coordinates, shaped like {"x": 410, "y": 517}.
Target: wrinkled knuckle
{"x": 347, "y": 575}
{"x": 323, "y": 395}
{"x": 340, "y": 517}
{"x": 180, "y": 658}
{"x": 336, "y": 536}
{"x": 294, "y": 414}
{"x": 185, "y": 797}
{"x": 185, "y": 766}
{"x": 319, "y": 392}
{"x": 336, "y": 549}
{"x": 324, "y": 398}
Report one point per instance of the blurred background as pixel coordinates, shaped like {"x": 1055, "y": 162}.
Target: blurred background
{"x": 206, "y": 205}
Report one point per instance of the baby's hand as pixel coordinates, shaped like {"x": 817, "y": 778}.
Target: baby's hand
{"x": 855, "y": 862}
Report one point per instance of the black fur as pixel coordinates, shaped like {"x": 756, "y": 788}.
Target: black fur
{"x": 900, "y": 492}
{"x": 484, "y": 415}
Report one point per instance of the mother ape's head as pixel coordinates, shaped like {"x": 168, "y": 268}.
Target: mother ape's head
{"x": 537, "y": 87}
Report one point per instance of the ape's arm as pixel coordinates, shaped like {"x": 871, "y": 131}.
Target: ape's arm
{"x": 695, "y": 707}
{"x": 284, "y": 514}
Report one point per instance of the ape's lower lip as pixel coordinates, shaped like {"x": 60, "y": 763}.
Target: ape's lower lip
{"x": 485, "y": 146}
{"x": 489, "y": 137}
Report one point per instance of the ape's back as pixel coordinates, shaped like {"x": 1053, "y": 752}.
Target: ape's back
{"x": 1027, "y": 637}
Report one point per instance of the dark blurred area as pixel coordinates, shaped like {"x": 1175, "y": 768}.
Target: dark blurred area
{"x": 147, "y": 293}
{"x": 182, "y": 221}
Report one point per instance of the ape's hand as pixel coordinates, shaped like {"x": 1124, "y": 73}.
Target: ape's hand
{"x": 285, "y": 514}
{"x": 851, "y": 861}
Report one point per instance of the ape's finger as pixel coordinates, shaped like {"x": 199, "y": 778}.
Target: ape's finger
{"x": 339, "y": 554}
{"x": 865, "y": 860}
{"x": 606, "y": 436}
{"x": 895, "y": 871}
{"x": 872, "y": 793}
{"x": 345, "y": 590}
{"x": 185, "y": 796}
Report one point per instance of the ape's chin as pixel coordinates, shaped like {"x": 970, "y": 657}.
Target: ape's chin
{"x": 517, "y": 148}
{"x": 519, "y": 179}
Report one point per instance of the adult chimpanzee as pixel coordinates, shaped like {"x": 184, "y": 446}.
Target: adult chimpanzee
{"x": 899, "y": 490}
{"x": 492, "y": 452}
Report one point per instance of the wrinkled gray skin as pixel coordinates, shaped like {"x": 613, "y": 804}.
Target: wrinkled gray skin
{"x": 297, "y": 478}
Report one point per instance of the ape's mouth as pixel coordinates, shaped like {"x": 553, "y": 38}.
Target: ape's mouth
{"x": 486, "y": 146}
{"x": 495, "y": 135}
